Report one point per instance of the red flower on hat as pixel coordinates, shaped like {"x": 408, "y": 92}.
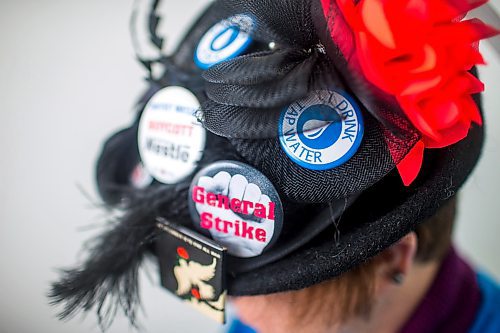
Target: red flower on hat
{"x": 420, "y": 51}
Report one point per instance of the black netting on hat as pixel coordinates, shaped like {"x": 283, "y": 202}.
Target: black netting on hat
{"x": 269, "y": 80}
{"x": 294, "y": 67}
{"x": 266, "y": 93}
{"x": 284, "y": 22}
{"x": 253, "y": 111}
{"x": 256, "y": 67}
{"x": 247, "y": 94}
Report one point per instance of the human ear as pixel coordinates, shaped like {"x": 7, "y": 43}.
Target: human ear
{"x": 397, "y": 260}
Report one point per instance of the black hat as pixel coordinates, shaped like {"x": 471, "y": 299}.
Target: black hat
{"x": 338, "y": 210}
{"x": 246, "y": 97}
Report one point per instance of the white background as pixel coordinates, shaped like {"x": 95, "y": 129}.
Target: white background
{"x": 67, "y": 80}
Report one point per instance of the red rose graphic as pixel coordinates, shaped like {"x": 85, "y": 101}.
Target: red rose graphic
{"x": 195, "y": 293}
{"x": 182, "y": 253}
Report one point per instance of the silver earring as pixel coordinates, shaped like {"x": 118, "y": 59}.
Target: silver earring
{"x": 398, "y": 278}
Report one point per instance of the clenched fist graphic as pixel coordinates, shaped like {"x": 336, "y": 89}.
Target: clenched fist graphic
{"x": 236, "y": 213}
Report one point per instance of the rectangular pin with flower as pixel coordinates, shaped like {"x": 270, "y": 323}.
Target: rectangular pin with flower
{"x": 192, "y": 268}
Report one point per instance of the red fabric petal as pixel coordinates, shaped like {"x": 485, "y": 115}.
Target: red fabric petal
{"x": 472, "y": 111}
{"x": 441, "y": 113}
{"x": 417, "y": 118}
{"x": 449, "y": 136}
{"x": 409, "y": 167}
{"x": 464, "y": 32}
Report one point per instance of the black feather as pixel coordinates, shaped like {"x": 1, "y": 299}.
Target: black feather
{"x": 108, "y": 279}
{"x": 116, "y": 162}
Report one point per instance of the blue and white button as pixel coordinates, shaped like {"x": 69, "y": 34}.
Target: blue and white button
{"x": 321, "y": 131}
{"x": 225, "y": 40}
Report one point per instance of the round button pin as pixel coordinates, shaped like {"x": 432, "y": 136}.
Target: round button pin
{"x": 225, "y": 40}
{"x": 170, "y": 139}
{"x": 238, "y": 206}
{"x": 321, "y": 131}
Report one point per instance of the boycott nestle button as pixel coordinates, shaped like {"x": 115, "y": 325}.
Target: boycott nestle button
{"x": 170, "y": 139}
{"x": 238, "y": 206}
{"x": 322, "y": 130}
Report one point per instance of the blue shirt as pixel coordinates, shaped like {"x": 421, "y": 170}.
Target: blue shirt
{"x": 488, "y": 316}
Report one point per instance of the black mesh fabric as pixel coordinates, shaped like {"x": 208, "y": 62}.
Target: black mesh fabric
{"x": 291, "y": 81}
{"x": 295, "y": 67}
{"x": 284, "y": 22}
{"x": 247, "y": 94}
{"x": 246, "y": 109}
{"x": 267, "y": 80}
{"x": 256, "y": 67}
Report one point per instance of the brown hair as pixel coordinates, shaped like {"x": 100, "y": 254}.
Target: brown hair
{"x": 434, "y": 235}
{"x": 322, "y": 305}
{"x": 355, "y": 288}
